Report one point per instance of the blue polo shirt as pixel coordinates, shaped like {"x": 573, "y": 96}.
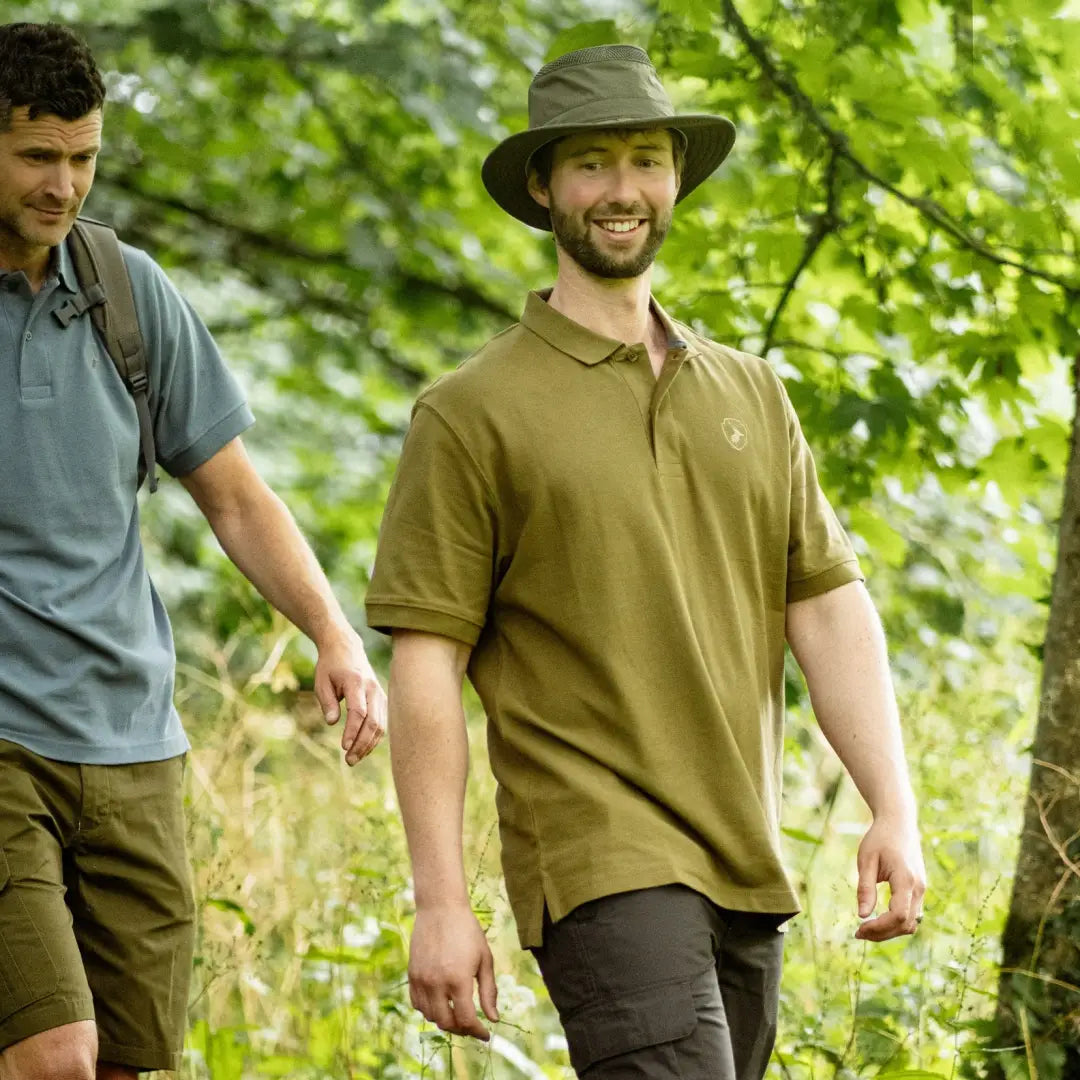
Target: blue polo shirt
{"x": 86, "y": 651}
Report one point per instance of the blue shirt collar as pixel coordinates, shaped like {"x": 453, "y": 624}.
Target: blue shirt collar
{"x": 61, "y": 266}
{"x": 60, "y": 269}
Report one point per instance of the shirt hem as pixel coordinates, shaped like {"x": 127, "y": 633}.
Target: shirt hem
{"x": 780, "y": 900}
{"x": 75, "y": 754}
{"x": 210, "y": 442}
{"x": 386, "y": 617}
{"x": 841, "y": 574}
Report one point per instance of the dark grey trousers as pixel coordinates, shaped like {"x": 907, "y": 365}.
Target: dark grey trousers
{"x": 661, "y": 984}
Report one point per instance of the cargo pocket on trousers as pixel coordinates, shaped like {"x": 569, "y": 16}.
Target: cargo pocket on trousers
{"x": 21, "y": 952}
{"x": 648, "y": 1018}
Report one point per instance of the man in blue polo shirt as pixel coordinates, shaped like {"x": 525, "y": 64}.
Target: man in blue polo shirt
{"x": 95, "y": 901}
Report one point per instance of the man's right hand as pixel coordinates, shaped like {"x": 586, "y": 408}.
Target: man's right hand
{"x": 447, "y": 953}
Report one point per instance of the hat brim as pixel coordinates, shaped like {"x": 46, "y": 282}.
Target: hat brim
{"x": 708, "y": 141}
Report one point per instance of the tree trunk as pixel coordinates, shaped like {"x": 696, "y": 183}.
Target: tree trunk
{"x": 1039, "y": 989}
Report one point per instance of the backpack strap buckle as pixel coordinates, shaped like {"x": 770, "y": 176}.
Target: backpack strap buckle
{"x": 79, "y": 304}
{"x": 138, "y": 383}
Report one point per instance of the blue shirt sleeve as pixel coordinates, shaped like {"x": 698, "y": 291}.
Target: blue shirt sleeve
{"x": 197, "y": 404}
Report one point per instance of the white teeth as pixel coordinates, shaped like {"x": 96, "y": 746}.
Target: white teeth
{"x": 619, "y": 226}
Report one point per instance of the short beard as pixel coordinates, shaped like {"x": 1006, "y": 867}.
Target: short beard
{"x": 575, "y": 241}
{"x": 17, "y": 232}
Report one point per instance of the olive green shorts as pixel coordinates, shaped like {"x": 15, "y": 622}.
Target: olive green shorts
{"x": 96, "y": 905}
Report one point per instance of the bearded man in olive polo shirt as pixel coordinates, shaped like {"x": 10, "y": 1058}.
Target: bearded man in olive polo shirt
{"x": 613, "y": 524}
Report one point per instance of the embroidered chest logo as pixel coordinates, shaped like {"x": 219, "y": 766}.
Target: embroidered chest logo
{"x": 735, "y": 433}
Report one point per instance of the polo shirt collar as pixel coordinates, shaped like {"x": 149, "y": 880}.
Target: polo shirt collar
{"x": 579, "y": 341}
{"x": 675, "y": 340}
{"x": 61, "y": 266}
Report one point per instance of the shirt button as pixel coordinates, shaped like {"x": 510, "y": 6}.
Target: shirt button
{"x": 28, "y": 336}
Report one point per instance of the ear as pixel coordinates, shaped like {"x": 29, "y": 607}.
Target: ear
{"x": 538, "y": 191}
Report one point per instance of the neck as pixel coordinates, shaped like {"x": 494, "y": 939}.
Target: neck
{"x": 32, "y": 260}
{"x": 615, "y": 308}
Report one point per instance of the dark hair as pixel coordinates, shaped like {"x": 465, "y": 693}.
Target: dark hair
{"x": 542, "y": 159}
{"x": 46, "y": 67}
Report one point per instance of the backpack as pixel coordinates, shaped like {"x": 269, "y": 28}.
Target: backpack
{"x": 105, "y": 291}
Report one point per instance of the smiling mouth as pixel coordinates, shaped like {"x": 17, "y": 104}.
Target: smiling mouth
{"x": 620, "y": 226}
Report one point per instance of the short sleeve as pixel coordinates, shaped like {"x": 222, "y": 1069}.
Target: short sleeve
{"x": 820, "y": 556}
{"x": 434, "y": 561}
{"x": 197, "y": 404}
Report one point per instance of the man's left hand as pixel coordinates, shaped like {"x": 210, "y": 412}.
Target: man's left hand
{"x": 343, "y": 672}
{"x": 890, "y": 852}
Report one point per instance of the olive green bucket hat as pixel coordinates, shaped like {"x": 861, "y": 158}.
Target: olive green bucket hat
{"x": 607, "y": 86}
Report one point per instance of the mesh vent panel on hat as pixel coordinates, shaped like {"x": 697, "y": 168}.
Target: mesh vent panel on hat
{"x": 629, "y": 53}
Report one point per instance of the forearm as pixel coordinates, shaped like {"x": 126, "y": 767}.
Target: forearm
{"x": 261, "y": 537}
{"x": 839, "y": 644}
{"x": 429, "y": 756}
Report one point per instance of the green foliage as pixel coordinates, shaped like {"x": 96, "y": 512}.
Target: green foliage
{"x": 896, "y": 230}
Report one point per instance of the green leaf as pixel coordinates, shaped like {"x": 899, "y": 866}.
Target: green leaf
{"x": 884, "y": 541}
{"x": 224, "y": 904}
{"x": 584, "y": 36}
{"x": 799, "y": 834}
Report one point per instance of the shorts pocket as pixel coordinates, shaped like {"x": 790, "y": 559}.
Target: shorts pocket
{"x": 27, "y": 973}
{"x": 646, "y": 1018}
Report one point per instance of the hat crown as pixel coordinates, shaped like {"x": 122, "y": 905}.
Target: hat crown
{"x": 603, "y": 84}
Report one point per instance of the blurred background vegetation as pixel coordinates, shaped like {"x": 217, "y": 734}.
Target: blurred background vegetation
{"x": 896, "y": 231}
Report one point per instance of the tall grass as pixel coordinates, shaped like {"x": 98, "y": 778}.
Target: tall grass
{"x": 305, "y": 898}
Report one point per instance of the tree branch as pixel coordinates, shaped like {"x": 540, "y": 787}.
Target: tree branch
{"x": 929, "y": 208}
{"x": 286, "y": 247}
{"x": 1055, "y": 843}
{"x": 836, "y": 354}
{"x": 394, "y": 361}
{"x": 824, "y": 225}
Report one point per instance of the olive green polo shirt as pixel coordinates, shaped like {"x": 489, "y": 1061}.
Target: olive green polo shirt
{"x": 619, "y": 550}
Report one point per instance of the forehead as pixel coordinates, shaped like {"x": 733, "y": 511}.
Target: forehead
{"x": 46, "y": 129}
{"x": 613, "y": 139}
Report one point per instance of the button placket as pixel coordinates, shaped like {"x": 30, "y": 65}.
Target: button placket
{"x": 626, "y": 362}
{"x": 663, "y": 420}
{"x": 35, "y": 370}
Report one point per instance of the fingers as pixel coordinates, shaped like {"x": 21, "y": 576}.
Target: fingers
{"x": 489, "y": 994}
{"x": 868, "y": 879}
{"x": 466, "y": 1022}
{"x": 901, "y": 917}
{"x": 450, "y": 1007}
{"x": 327, "y": 696}
{"x": 890, "y": 852}
{"x": 365, "y": 722}
{"x": 448, "y": 955}
{"x": 365, "y": 715}
{"x": 352, "y": 689}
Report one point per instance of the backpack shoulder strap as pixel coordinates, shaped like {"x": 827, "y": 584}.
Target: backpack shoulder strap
{"x": 106, "y": 294}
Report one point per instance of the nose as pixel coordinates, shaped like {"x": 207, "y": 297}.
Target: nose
{"x": 623, "y": 189}
{"x": 60, "y": 184}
